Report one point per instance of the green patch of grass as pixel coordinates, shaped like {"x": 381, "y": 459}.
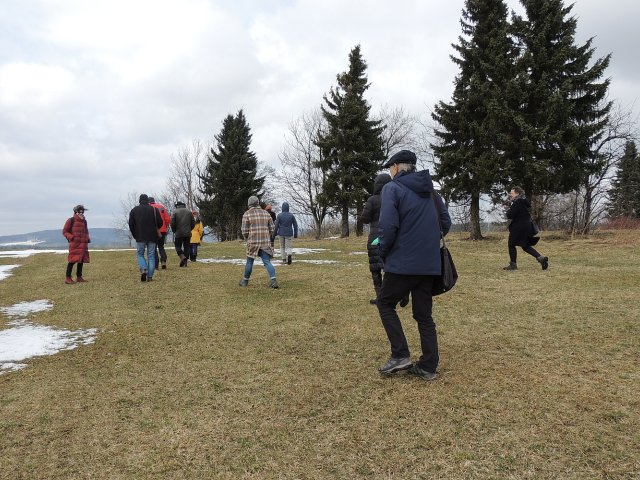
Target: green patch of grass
{"x": 192, "y": 376}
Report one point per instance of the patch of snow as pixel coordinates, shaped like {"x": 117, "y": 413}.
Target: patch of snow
{"x": 27, "y": 243}
{"x": 23, "y": 309}
{"x": 358, "y": 253}
{"x": 25, "y": 341}
{"x": 5, "y": 270}
{"x": 318, "y": 262}
{"x": 27, "y": 253}
{"x": 232, "y": 261}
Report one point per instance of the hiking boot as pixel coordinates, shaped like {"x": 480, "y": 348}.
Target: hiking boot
{"x": 143, "y": 276}
{"x": 288, "y": 259}
{"x": 244, "y": 282}
{"x": 511, "y": 266}
{"x": 404, "y": 301}
{"x": 422, "y": 373}
{"x": 394, "y": 365}
{"x": 149, "y": 279}
{"x": 544, "y": 261}
{"x": 183, "y": 261}
{"x": 273, "y": 283}
{"x": 164, "y": 266}
{"x": 81, "y": 280}
{"x": 69, "y": 281}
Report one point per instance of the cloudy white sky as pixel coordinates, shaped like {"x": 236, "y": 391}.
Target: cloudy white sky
{"x": 96, "y": 96}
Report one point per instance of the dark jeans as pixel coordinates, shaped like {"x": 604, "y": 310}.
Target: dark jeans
{"x": 70, "y": 269}
{"x": 513, "y": 253}
{"x": 182, "y": 245}
{"x": 394, "y": 287}
{"x": 160, "y": 249}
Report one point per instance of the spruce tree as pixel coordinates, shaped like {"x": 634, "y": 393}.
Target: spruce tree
{"x": 472, "y": 127}
{"x": 230, "y": 178}
{"x": 562, "y": 112}
{"x": 352, "y": 146}
{"x": 625, "y": 191}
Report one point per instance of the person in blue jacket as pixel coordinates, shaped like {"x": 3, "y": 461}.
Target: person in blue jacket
{"x": 409, "y": 246}
{"x": 286, "y": 227}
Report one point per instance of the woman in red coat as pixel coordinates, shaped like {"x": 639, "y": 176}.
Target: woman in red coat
{"x": 77, "y": 234}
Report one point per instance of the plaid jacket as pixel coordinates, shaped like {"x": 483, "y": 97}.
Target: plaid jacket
{"x": 257, "y": 230}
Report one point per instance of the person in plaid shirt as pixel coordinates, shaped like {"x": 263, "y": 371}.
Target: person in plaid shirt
{"x": 257, "y": 230}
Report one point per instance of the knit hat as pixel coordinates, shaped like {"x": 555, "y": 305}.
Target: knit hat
{"x": 144, "y": 198}
{"x": 253, "y": 201}
{"x": 403, "y": 156}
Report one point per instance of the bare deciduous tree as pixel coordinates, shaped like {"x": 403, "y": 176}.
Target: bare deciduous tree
{"x": 121, "y": 220}
{"x": 301, "y": 179}
{"x": 401, "y": 130}
{"x": 184, "y": 178}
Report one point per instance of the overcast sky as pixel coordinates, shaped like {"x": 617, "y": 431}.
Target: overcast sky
{"x": 96, "y": 96}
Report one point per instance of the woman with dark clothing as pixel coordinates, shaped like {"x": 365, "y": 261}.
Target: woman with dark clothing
{"x": 370, "y": 215}
{"x": 521, "y": 230}
{"x": 77, "y": 234}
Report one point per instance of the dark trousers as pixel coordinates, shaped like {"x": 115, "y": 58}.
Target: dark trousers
{"x": 394, "y": 287}
{"x": 78, "y": 269}
{"x": 182, "y": 245}
{"x": 160, "y": 249}
{"x": 513, "y": 253}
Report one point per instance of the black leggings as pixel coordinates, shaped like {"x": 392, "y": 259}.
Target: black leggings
{"x": 513, "y": 253}
{"x": 70, "y": 269}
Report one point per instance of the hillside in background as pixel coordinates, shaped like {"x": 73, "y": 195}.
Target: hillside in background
{"x": 52, "y": 239}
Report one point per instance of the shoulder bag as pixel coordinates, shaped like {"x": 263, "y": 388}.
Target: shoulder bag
{"x": 449, "y": 276}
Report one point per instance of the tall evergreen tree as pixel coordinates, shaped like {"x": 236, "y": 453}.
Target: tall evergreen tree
{"x": 472, "y": 127}
{"x": 625, "y": 191}
{"x": 352, "y": 146}
{"x": 562, "y": 109}
{"x": 230, "y": 178}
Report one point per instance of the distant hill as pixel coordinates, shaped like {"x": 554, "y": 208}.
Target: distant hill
{"x": 53, "y": 239}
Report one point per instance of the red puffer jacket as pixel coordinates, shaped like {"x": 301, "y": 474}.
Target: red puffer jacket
{"x": 166, "y": 219}
{"x": 77, "y": 234}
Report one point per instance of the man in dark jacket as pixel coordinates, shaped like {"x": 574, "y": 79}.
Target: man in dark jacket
{"x": 521, "y": 230}
{"x": 182, "y": 222}
{"x": 144, "y": 224}
{"x": 286, "y": 227}
{"x": 409, "y": 232}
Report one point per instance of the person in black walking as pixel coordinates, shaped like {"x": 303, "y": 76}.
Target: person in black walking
{"x": 522, "y": 230}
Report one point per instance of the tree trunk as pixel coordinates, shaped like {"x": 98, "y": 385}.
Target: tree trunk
{"x": 318, "y": 228}
{"x": 345, "y": 222}
{"x": 359, "y": 224}
{"x": 474, "y": 228}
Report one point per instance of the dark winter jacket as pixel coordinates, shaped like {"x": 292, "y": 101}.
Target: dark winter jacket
{"x": 144, "y": 223}
{"x": 286, "y": 225}
{"x": 521, "y": 227}
{"x": 370, "y": 215}
{"x": 182, "y": 222}
{"x": 408, "y": 226}
{"x": 76, "y": 232}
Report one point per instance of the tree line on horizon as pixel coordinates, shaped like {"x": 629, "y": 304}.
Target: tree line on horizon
{"x": 529, "y": 107}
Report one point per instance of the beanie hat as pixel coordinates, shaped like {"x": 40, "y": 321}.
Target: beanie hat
{"x": 152, "y": 200}
{"x": 253, "y": 201}
{"x": 144, "y": 198}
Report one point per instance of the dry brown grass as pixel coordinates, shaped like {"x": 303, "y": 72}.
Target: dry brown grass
{"x": 193, "y": 377}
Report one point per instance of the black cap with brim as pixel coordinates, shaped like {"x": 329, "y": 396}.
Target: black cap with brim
{"x": 403, "y": 156}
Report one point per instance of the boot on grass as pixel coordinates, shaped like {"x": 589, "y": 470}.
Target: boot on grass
{"x": 544, "y": 262}
{"x": 511, "y": 266}
{"x": 80, "y": 280}
{"x": 69, "y": 281}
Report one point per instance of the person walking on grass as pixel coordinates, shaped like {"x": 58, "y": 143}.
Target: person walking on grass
{"x": 258, "y": 230}
{"x": 196, "y": 236}
{"x": 144, "y": 224}
{"x": 166, "y": 220}
{"x": 522, "y": 230}
{"x": 409, "y": 245}
{"x": 286, "y": 227}
{"x": 76, "y": 232}
{"x": 182, "y": 222}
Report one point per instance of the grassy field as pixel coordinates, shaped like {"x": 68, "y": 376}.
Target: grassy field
{"x": 192, "y": 376}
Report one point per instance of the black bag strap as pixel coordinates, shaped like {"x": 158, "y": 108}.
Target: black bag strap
{"x": 436, "y": 204}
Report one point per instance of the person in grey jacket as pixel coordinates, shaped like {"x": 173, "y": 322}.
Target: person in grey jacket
{"x": 182, "y": 222}
{"x": 286, "y": 227}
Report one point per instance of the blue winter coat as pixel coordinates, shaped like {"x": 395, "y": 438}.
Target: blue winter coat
{"x": 286, "y": 225}
{"x": 408, "y": 227}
